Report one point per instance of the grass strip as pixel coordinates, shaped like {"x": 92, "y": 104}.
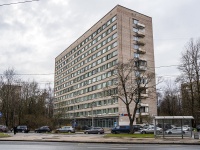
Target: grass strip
{"x": 130, "y": 135}
{"x": 2, "y": 135}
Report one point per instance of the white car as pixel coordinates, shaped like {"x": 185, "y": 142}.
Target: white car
{"x": 176, "y": 130}
{"x": 150, "y": 130}
{"x": 186, "y": 128}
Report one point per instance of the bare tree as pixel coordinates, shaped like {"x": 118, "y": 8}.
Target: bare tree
{"x": 170, "y": 101}
{"x": 190, "y": 69}
{"x": 9, "y": 95}
{"x": 49, "y": 100}
{"x": 131, "y": 80}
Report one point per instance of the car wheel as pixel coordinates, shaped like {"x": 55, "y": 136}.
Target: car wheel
{"x": 143, "y": 132}
{"x": 169, "y": 132}
{"x": 23, "y": 131}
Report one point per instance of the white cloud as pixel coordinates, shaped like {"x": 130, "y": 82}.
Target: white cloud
{"x": 33, "y": 34}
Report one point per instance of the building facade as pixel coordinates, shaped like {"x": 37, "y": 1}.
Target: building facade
{"x": 83, "y": 70}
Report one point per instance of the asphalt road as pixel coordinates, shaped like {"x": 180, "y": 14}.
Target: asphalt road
{"x": 16, "y": 145}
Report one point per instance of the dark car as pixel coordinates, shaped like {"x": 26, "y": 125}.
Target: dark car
{"x": 198, "y": 128}
{"x": 43, "y": 129}
{"x": 125, "y": 129}
{"x": 85, "y": 127}
{"x": 121, "y": 129}
{"x": 22, "y": 128}
{"x": 137, "y": 127}
{"x": 94, "y": 130}
{"x": 3, "y": 128}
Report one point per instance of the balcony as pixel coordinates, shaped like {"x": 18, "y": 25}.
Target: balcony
{"x": 141, "y": 51}
{"x": 140, "y": 42}
{"x": 144, "y": 114}
{"x": 142, "y": 59}
{"x": 140, "y": 25}
{"x": 144, "y": 95}
{"x": 140, "y": 33}
{"x": 143, "y": 68}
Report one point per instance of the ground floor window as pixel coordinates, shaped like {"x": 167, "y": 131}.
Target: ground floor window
{"x": 98, "y": 122}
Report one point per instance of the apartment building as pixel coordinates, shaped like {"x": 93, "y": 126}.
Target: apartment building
{"x": 83, "y": 70}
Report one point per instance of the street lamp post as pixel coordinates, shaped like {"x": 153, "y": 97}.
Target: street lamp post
{"x": 92, "y": 115}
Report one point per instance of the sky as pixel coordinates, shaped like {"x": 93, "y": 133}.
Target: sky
{"x": 33, "y": 34}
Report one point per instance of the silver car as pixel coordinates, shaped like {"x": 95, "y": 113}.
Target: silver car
{"x": 65, "y": 129}
{"x": 175, "y": 130}
{"x": 150, "y": 130}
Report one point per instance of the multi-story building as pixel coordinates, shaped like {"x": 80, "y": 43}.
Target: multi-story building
{"x": 82, "y": 71}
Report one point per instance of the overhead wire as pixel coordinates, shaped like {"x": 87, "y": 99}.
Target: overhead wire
{"x": 18, "y": 3}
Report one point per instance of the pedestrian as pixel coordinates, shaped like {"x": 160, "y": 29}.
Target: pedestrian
{"x": 15, "y": 130}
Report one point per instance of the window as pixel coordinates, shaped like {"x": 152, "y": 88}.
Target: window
{"x": 98, "y": 46}
{"x": 94, "y": 64}
{"x": 135, "y": 38}
{"x": 99, "y": 61}
{"x": 109, "y": 48}
{"x": 99, "y": 38}
{"x": 108, "y": 23}
{"x": 114, "y": 35}
{"x": 90, "y": 37}
{"x": 114, "y": 44}
{"x": 115, "y": 53}
{"x": 99, "y": 30}
{"x": 94, "y": 56}
{"x": 104, "y": 42}
{"x": 103, "y": 51}
{"x": 104, "y": 34}
{"x": 109, "y": 39}
{"x": 136, "y": 55}
{"x": 136, "y": 46}
{"x": 104, "y": 26}
{"x": 135, "y": 21}
{"x": 114, "y": 27}
{"x": 108, "y": 31}
{"x": 94, "y": 34}
{"x": 135, "y": 30}
{"x": 114, "y": 18}
{"x": 99, "y": 53}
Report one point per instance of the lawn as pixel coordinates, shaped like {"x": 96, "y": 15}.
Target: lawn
{"x": 130, "y": 135}
{"x": 4, "y": 135}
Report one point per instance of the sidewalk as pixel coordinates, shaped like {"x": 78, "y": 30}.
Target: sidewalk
{"x": 98, "y": 139}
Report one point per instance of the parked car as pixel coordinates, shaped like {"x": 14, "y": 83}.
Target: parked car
{"x": 137, "y": 127}
{"x": 3, "y": 128}
{"x": 43, "y": 129}
{"x": 198, "y": 128}
{"x": 187, "y": 128}
{"x": 22, "y": 128}
{"x": 165, "y": 126}
{"x": 150, "y": 130}
{"x": 125, "y": 129}
{"x": 65, "y": 129}
{"x": 85, "y": 127}
{"x": 94, "y": 130}
{"x": 176, "y": 130}
{"x": 121, "y": 129}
